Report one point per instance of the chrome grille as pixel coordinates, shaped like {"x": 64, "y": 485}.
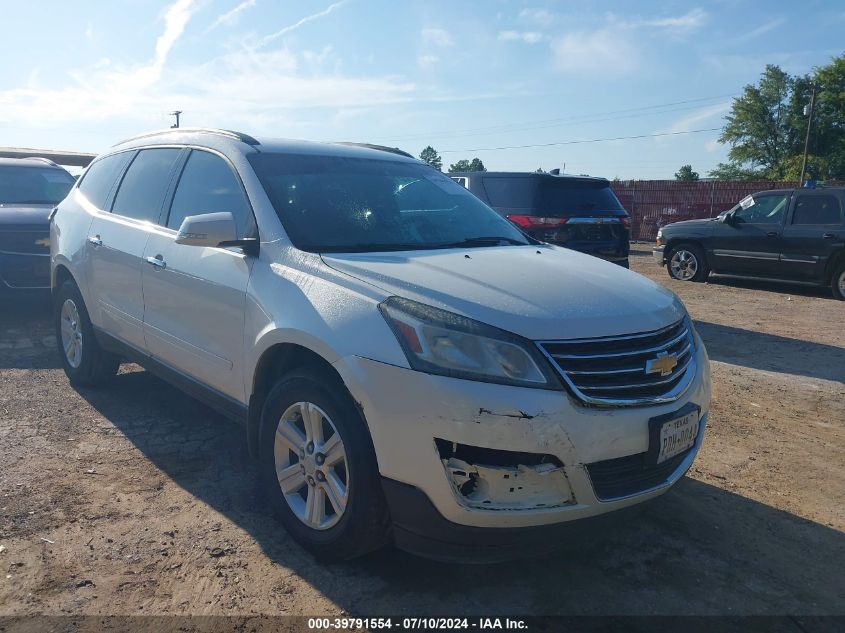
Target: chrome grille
{"x": 613, "y": 371}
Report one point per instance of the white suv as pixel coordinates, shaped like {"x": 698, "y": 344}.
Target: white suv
{"x": 407, "y": 364}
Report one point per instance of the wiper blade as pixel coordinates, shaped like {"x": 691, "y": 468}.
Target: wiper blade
{"x": 484, "y": 241}
{"x": 366, "y": 248}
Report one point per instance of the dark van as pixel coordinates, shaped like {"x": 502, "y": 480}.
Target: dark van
{"x": 578, "y": 212}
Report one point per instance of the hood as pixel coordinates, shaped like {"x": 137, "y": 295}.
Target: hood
{"x": 538, "y": 292}
{"x": 690, "y": 225}
{"x": 25, "y": 215}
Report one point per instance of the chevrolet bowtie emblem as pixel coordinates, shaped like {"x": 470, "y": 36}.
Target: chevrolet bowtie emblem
{"x": 44, "y": 241}
{"x": 663, "y": 364}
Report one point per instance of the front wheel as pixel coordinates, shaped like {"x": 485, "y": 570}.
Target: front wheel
{"x": 838, "y": 282}
{"x": 319, "y": 469}
{"x": 84, "y": 361}
{"x": 686, "y": 263}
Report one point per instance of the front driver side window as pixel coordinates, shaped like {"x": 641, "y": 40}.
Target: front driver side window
{"x": 208, "y": 185}
{"x": 762, "y": 209}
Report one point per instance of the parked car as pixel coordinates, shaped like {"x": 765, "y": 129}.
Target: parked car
{"x": 407, "y": 364}
{"x": 578, "y": 212}
{"x": 29, "y": 189}
{"x": 791, "y": 234}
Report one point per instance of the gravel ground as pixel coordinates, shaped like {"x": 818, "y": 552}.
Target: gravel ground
{"x": 140, "y": 500}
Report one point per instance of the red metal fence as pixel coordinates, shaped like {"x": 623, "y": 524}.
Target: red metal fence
{"x": 656, "y": 203}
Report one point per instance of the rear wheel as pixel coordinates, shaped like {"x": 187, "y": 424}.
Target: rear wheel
{"x": 686, "y": 263}
{"x": 84, "y": 361}
{"x": 319, "y": 469}
{"x": 838, "y": 282}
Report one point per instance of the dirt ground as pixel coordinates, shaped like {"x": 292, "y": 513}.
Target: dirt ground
{"x": 140, "y": 500}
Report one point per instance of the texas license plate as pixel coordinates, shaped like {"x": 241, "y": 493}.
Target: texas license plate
{"x": 677, "y": 435}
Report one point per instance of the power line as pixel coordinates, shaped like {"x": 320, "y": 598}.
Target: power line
{"x": 593, "y": 140}
{"x": 539, "y": 124}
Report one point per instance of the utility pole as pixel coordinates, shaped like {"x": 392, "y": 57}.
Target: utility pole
{"x": 176, "y": 113}
{"x": 807, "y": 137}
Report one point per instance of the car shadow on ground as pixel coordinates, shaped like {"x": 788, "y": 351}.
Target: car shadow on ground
{"x": 770, "y": 352}
{"x": 27, "y": 340}
{"x": 696, "y": 550}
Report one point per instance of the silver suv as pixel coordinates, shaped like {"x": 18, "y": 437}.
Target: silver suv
{"x": 408, "y": 365}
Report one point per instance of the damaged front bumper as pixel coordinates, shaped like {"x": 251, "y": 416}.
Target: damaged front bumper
{"x": 461, "y": 458}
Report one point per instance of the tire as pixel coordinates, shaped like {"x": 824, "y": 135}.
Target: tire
{"x": 330, "y": 531}
{"x": 686, "y": 262}
{"x": 837, "y": 282}
{"x": 84, "y": 361}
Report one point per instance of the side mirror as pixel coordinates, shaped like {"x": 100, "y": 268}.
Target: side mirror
{"x": 728, "y": 218}
{"x": 208, "y": 229}
{"x": 214, "y": 229}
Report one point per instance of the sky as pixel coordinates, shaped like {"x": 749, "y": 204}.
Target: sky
{"x": 519, "y": 84}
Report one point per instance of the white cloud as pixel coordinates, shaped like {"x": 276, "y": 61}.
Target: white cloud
{"x": 309, "y": 18}
{"x": 427, "y": 61}
{"x": 601, "y": 50}
{"x": 538, "y": 16}
{"x": 694, "y": 120}
{"x": 258, "y": 90}
{"x": 231, "y": 15}
{"x": 761, "y": 30}
{"x": 712, "y": 145}
{"x": 674, "y": 26}
{"x": 89, "y": 31}
{"x": 438, "y": 37}
{"x": 529, "y": 37}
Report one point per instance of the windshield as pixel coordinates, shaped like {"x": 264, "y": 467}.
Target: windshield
{"x": 544, "y": 195}
{"x": 339, "y": 204}
{"x": 33, "y": 185}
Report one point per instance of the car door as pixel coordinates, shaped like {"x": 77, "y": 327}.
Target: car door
{"x": 194, "y": 296}
{"x": 116, "y": 241}
{"x": 750, "y": 242}
{"x": 813, "y": 233}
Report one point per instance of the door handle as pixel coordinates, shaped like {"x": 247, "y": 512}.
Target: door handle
{"x": 772, "y": 234}
{"x": 95, "y": 240}
{"x": 828, "y": 236}
{"x": 157, "y": 261}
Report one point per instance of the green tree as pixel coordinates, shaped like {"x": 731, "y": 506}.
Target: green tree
{"x": 759, "y": 127}
{"x": 827, "y": 139}
{"x": 430, "y": 157}
{"x": 767, "y": 125}
{"x": 467, "y": 165}
{"x": 686, "y": 173}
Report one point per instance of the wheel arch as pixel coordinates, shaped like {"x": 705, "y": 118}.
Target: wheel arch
{"x": 832, "y": 264}
{"x": 277, "y": 360}
{"x": 672, "y": 243}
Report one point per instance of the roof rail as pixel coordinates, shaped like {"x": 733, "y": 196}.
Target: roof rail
{"x": 381, "y": 148}
{"x": 42, "y": 159}
{"x": 238, "y": 136}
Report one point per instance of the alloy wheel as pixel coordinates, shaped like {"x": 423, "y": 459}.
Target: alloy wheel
{"x": 71, "y": 330}
{"x": 842, "y": 283}
{"x": 683, "y": 264}
{"x": 311, "y": 465}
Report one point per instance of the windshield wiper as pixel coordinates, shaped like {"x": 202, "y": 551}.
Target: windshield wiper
{"x": 483, "y": 241}
{"x": 366, "y": 248}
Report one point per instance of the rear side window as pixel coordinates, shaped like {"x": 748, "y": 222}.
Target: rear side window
{"x": 100, "y": 177}
{"x": 552, "y": 196}
{"x": 208, "y": 185}
{"x": 818, "y": 209}
{"x": 142, "y": 189}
